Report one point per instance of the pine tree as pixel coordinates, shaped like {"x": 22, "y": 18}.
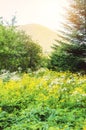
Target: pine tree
{"x": 76, "y": 22}
{"x": 73, "y": 37}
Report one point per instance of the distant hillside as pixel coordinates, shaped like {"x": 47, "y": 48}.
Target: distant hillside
{"x": 41, "y": 34}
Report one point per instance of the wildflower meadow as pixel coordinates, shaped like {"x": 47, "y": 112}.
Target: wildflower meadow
{"x": 43, "y": 100}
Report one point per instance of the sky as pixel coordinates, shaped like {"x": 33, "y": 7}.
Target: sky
{"x": 44, "y": 12}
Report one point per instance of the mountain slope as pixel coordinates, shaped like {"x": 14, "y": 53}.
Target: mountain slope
{"x": 44, "y": 36}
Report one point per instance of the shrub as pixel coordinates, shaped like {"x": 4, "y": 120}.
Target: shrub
{"x": 68, "y": 58}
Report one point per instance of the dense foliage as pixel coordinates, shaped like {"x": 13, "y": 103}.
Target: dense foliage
{"x": 72, "y": 54}
{"x": 68, "y": 57}
{"x": 43, "y": 100}
{"x": 17, "y": 50}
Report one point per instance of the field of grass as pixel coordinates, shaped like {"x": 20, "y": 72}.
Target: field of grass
{"x": 43, "y": 100}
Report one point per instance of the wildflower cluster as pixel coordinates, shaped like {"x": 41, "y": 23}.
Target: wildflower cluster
{"x": 43, "y": 100}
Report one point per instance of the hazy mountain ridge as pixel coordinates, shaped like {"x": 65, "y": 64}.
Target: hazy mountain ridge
{"x": 41, "y": 34}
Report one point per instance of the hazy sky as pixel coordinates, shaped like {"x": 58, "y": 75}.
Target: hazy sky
{"x": 45, "y": 12}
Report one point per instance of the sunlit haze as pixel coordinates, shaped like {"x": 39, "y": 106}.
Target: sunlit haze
{"x": 44, "y": 12}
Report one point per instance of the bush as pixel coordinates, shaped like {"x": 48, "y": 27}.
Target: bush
{"x": 68, "y": 58}
{"x": 17, "y": 50}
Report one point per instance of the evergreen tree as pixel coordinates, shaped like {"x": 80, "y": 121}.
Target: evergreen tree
{"x": 73, "y": 38}
{"x": 75, "y": 27}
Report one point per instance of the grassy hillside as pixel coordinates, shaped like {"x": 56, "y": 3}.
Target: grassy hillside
{"x": 44, "y": 36}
